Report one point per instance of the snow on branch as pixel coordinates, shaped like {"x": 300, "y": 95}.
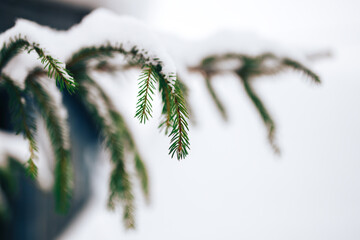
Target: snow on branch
{"x": 98, "y": 37}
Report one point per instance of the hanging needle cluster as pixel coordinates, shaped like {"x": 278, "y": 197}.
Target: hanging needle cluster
{"x": 248, "y": 68}
{"x": 77, "y": 79}
{"x": 114, "y": 133}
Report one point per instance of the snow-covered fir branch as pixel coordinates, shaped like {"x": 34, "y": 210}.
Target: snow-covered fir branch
{"x": 78, "y": 48}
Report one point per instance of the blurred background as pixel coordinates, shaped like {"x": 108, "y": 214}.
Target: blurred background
{"x": 232, "y": 185}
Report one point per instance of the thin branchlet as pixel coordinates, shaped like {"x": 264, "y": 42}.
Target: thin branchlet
{"x": 54, "y": 67}
{"x": 23, "y": 120}
{"x": 265, "y": 116}
{"x": 250, "y": 67}
{"x": 301, "y": 68}
{"x": 167, "y": 100}
{"x": 57, "y": 133}
{"x": 152, "y": 73}
{"x": 120, "y": 186}
{"x": 11, "y": 49}
{"x": 126, "y": 137}
{"x": 215, "y": 98}
{"x": 146, "y": 91}
{"x": 179, "y": 144}
{"x": 113, "y": 128}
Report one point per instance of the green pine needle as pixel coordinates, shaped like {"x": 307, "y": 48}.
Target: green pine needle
{"x": 150, "y": 74}
{"x": 299, "y": 67}
{"x": 179, "y": 143}
{"x": 167, "y": 101}
{"x": 146, "y": 85}
{"x": 215, "y": 98}
{"x": 31, "y": 169}
{"x": 126, "y": 137}
{"x": 11, "y": 49}
{"x": 22, "y": 118}
{"x": 142, "y": 174}
{"x": 120, "y": 184}
{"x": 54, "y": 67}
{"x": 63, "y": 170}
{"x": 269, "y": 123}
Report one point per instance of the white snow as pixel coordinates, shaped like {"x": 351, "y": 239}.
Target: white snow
{"x": 98, "y": 28}
{"x": 191, "y": 53}
{"x": 14, "y": 146}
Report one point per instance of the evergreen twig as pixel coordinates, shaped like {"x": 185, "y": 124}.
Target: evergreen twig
{"x": 126, "y": 137}
{"x": 269, "y": 123}
{"x": 58, "y": 136}
{"x": 215, "y": 98}
{"x": 299, "y": 67}
{"x": 120, "y": 184}
{"x": 54, "y": 67}
{"x": 250, "y": 68}
{"x": 179, "y": 137}
{"x": 152, "y": 72}
{"x": 146, "y": 90}
{"x": 23, "y": 120}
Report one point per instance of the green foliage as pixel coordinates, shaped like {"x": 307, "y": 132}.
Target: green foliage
{"x": 269, "y": 123}
{"x": 21, "y": 115}
{"x": 301, "y": 68}
{"x": 142, "y": 174}
{"x": 113, "y": 130}
{"x": 54, "y": 67}
{"x": 58, "y": 136}
{"x": 151, "y": 73}
{"x": 179, "y": 135}
{"x": 146, "y": 90}
{"x": 215, "y": 98}
{"x": 23, "y": 120}
{"x": 10, "y": 50}
{"x": 140, "y": 167}
{"x": 250, "y": 67}
{"x": 167, "y": 100}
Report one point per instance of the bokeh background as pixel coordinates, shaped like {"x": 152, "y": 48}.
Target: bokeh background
{"x": 232, "y": 186}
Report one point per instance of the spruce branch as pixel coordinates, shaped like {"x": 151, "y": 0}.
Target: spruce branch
{"x": 120, "y": 184}
{"x": 142, "y": 174}
{"x": 54, "y": 67}
{"x": 23, "y": 120}
{"x": 185, "y": 92}
{"x": 179, "y": 143}
{"x": 146, "y": 85}
{"x": 287, "y": 62}
{"x": 269, "y": 123}
{"x": 215, "y": 98}
{"x": 250, "y": 67}
{"x": 126, "y": 137}
{"x": 167, "y": 101}
{"x": 134, "y": 56}
{"x": 152, "y": 73}
{"x": 58, "y": 136}
{"x": 140, "y": 167}
{"x": 11, "y": 49}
